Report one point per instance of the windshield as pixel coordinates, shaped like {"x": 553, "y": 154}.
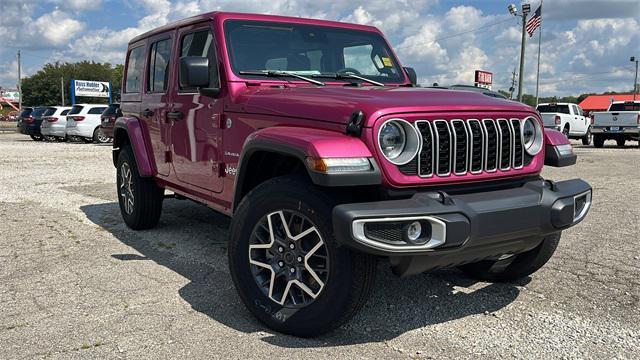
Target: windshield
{"x": 75, "y": 110}
{"x": 49, "y": 112}
{"x": 625, "y": 107}
{"x": 38, "y": 112}
{"x": 309, "y": 50}
{"x": 554, "y": 108}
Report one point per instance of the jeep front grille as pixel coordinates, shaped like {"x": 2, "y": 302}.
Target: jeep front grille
{"x": 467, "y": 146}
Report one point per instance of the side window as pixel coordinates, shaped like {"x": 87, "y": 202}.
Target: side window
{"x": 65, "y": 112}
{"x": 159, "y": 66}
{"x": 135, "y": 65}
{"x": 200, "y": 43}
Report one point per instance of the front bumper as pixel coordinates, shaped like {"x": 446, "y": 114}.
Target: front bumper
{"x": 463, "y": 228}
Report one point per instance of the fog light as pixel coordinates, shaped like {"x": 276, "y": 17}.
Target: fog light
{"x": 414, "y": 230}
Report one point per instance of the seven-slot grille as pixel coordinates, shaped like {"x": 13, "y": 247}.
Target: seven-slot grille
{"x": 472, "y": 146}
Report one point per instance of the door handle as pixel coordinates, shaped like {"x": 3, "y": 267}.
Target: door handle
{"x": 174, "y": 115}
{"x": 147, "y": 113}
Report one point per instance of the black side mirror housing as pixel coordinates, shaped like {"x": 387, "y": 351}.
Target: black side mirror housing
{"x": 411, "y": 74}
{"x": 194, "y": 72}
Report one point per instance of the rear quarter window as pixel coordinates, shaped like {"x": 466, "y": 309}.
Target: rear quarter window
{"x": 135, "y": 65}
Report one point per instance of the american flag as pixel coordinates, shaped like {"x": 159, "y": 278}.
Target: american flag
{"x": 535, "y": 21}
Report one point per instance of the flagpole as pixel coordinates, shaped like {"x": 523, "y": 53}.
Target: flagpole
{"x": 539, "y": 42}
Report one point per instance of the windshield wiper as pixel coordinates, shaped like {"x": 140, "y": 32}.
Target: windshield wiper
{"x": 275, "y": 73}
{"x": 342, "y": 75}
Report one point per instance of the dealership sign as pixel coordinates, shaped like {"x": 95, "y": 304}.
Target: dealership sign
{"x": 91, "y": 88}
{"x": 10, "y": 95}
{"x": 484, "y": 79}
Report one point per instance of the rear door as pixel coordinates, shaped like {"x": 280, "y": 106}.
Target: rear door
{"x": 196, "y": 137}
{"x": 155, "y": 101}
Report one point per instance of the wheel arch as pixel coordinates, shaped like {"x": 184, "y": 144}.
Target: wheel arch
{"x": 129, "y": 131}
{"x": 279, "y": 151}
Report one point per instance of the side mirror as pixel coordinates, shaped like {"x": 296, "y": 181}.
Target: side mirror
{"x": 194, "y": 73}
{"x": 411, "y": 74}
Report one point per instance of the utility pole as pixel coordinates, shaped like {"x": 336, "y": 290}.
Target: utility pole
{"x": 635, "y": 80}
{"x": 19, "y": 83}
{"x": 513, "y": 83}
{"x": 62, "y": 89}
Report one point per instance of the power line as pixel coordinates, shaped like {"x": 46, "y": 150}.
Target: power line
{"x": 455, "y": 35}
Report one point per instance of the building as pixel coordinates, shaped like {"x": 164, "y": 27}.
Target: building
{"x": 601, "y": 102}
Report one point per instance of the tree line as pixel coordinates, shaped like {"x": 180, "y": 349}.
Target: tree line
{"x": 44, "y": 87}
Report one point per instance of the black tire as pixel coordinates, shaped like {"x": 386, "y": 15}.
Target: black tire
{"x": 143, "y": 212}
{"x": 586, "y": 139}
{"x": 350, "y": 276}
{"x": 516, "y": 267}
{"x": 621, "y": 142}
{"x": 87, "y": 140}
{"x": 565, "y": 130}
{"x": 36, "y": 137}
{"x": 99, "y": 137}
{"x": 49, "y": 138}
{"x": 598, "y": 141}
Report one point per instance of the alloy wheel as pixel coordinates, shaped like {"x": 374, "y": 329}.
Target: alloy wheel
{"x": 126, "y": 188}
{"x": 102, "y": 138}
{"x": 288, "y": 258}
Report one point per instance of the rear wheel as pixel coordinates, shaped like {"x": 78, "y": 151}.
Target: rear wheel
{"x": 598, "y": 141}
{"x": 586, "y": 139}
{"x": 621, "y": 142}
{"x": 516, "y": 266}
{"x": 286, "y": 265}
{"x": 565, "y": 131}
{"x": 36, "y": 137}
{"x": 99, "y": 137}
{"x": 139, "y": 197}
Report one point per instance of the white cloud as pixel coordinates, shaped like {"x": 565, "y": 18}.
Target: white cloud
{"x": 80, "y": 5}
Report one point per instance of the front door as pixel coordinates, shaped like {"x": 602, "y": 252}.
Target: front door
{"x": 196, "y": 137}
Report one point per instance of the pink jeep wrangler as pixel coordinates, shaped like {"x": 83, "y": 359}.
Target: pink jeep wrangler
{"x": 327, "y": 156}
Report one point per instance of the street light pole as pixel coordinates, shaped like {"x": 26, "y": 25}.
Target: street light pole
{"x": 19, "y": 82}
{"x": 522, "y": 46}
{"x": 635, "y": 80}
{"x": 526, "y": 8}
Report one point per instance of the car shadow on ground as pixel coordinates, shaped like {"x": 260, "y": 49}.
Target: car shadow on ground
{"x": 198, "y": 253}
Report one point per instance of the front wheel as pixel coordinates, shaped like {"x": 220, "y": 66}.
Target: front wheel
{"x": 286, "y": 265}
{"x": 514, "y": 267}
{"x": 586, "y": 139}
{"x": 140, "y": 199}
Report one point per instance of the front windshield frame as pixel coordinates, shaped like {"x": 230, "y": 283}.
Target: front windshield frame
{"x": 398, "y": 76}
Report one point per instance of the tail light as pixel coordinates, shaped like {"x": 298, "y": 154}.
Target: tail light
{"x": 29, "y": 119}
{"x": 593, "y": 120}
{"x": 52, "y": 119}
{"x": 78, "y": 118}
{"x": 113, "y": 119}
{"x": 558, "y": 121}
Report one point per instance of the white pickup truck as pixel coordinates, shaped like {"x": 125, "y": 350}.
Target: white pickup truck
{"x": 621, "y": 122}
{"x": 568, "y": 118}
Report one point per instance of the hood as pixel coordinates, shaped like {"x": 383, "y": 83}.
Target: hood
{"x": 336, "y": 104}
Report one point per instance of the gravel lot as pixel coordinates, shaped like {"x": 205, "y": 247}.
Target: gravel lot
{"x": 74, "y": 282}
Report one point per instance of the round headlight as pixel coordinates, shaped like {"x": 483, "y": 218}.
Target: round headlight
{"x": 399, "y": 141}
{"x": 532, "y": 136}
{"x": 392, "y": 140}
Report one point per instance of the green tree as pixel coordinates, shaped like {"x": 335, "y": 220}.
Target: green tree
{"x": 43, "y": 87}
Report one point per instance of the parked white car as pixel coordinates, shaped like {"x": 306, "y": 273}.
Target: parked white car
{"x": 621, "y": 122}
{"x": 567, "y": 118}
{"x": 83, "y": 121}
{"x": 54, "y": 123}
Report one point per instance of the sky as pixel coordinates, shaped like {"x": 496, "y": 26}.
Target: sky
{"x": 586, "y": 44}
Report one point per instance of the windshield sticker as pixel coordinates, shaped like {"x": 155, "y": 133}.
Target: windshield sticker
{"x": 387, "y": 62}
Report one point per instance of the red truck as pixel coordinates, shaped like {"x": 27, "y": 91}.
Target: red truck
{"x": 327, "y": 156}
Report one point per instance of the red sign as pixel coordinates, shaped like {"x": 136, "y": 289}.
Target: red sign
{"x": 484, "y": 77}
